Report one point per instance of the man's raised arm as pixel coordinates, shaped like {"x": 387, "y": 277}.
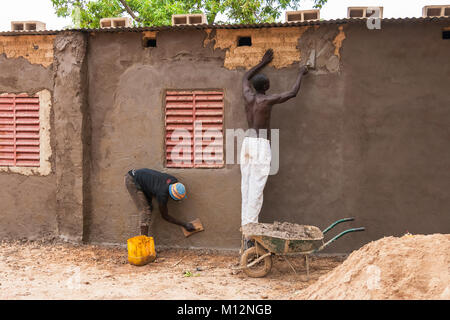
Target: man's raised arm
{"x": 268, "y": 56}
{"x": 283, "y": 97}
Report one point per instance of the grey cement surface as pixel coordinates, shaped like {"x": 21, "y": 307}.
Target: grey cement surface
{"x": 27, "y": 203}
{"x": 368, "y": 141}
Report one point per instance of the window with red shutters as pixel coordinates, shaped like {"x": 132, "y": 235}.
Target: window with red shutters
{"x": 194, "y": 129}
{"x": 19, "y": 131}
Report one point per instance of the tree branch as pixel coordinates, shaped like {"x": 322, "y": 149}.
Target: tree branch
{"x": 130, "y": 12}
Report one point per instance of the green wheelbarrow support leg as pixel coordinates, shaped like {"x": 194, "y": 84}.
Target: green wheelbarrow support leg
{"x": 337, "y": 237}
{"x": 334, "y": 224}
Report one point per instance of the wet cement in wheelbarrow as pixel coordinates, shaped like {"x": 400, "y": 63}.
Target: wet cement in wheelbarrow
{"x": 283, "y": 230}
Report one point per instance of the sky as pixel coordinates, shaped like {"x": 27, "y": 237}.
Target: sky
{"x": 42, "y": 10}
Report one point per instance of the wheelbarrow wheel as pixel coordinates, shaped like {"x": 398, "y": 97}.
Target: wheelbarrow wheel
{"x": 260, "y": 269}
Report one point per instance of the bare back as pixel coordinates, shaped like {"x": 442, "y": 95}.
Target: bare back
{"x": 258, "y": 110}
{"x": 258, "y": 105}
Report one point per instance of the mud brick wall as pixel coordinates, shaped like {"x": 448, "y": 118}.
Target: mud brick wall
{"x": 367, "y": 136}
{"x": 71, "y": 125}
{"x": 47, "y": 201}
{"x": 36, "y": 49}
{"x": 27, "y": 197}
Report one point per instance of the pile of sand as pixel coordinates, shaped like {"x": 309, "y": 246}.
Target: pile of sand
{"x": 284, "y": 230}
{"x": 410, "y": 267}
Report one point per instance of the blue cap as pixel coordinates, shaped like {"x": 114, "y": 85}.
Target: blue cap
{"x": 177, "y": 191}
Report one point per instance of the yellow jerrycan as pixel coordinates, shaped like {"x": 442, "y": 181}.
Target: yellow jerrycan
{"x": 141, "y": 250}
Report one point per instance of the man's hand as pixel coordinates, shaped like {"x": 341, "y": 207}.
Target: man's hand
{"x": 189, "y": 227}
{"x": 304, "y": 69}
{"x": 268, "y": 56}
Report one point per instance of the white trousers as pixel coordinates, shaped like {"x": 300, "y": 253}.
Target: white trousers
{"x": 255, "y": 167}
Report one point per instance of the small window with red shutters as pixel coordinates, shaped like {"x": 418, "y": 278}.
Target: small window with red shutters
{"x": 19, "y": 130}
{"x": 194, "y": 129}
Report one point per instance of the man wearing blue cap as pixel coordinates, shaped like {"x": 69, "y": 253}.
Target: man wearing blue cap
{"x": 143, "y": 185}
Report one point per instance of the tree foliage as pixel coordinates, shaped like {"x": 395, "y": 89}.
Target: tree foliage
{"x": 87, "y": 13}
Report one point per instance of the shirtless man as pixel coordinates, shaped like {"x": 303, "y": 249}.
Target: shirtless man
{"x": 256, "y": 153}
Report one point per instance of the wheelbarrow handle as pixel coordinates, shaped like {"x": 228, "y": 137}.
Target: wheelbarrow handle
{"x": 338, "y": 236}
{"x": 336, "y": 223}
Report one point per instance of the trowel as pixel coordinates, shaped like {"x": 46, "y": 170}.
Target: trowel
{"x": 311, "y": 62}
{"x": 198, "y": 227}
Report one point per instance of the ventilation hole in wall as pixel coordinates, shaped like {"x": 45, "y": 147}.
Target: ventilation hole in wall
{"x": 447, "y": 12}
{"x": 18, "y": 27}
{"x": 150, "y": 43}
{"x": 180, "y": 20}
{"x": 119, "y": 23}
{"x": 31, "y": 27}
{"x": 294, "y": 17}
{"x": 195, "y": 20}
{"x": 445, "y": 35}
{"x": 434, "y": 12}
{"x": 244, "y": 41}
{"x": 310, "y": 16}
{"x": 106, "y": 24}
{"x": 358, "y": 13}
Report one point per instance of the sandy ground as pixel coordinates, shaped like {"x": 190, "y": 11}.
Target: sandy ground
{"x": 46, "y": 270}
{"x": 413, "y": 267}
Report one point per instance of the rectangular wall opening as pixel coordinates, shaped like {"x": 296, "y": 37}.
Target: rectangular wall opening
{"x": 357, "y": 13}
{"x": 106, "y": 24}
{"x": 244, "y": 41}
{"x": 434, "y": 12}
{"x": 180, "y": 20}
{"x": 195, "y": 19}
{"x": 150, "y": 42}
{"x": 18, "y": 26}
{"x": 295, "y": 17}
{"x": 310, "y": 16}
{"x": 446, "y": 35}
{"x": 31, "y": 26}
{"x": 119, "y": 23}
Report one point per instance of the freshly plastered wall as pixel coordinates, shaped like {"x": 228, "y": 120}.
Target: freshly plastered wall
{"x": 47, "y": 201}
{"x": 371, "y": 140}
{"x": 27, "y": 197}
{"x": 365, "y": 137}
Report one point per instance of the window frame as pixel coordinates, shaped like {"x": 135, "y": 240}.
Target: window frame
{"x": 193, "y": 136}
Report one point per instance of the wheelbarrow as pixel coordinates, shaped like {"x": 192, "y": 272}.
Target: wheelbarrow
{"x": 256, "y": 261}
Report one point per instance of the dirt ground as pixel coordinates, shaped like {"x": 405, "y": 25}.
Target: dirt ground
{"x": 50, "y": 270}
{"x": 411, "y": 267}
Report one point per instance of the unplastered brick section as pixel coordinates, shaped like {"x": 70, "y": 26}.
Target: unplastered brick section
{"x": 282, "y": 40}
{"x": 31, "y": 148}
{"x": 37, "y": 49}
{"x": 324, "y": 45}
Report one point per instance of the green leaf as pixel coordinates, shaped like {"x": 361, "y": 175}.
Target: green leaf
{"x": 87, "y": 13}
